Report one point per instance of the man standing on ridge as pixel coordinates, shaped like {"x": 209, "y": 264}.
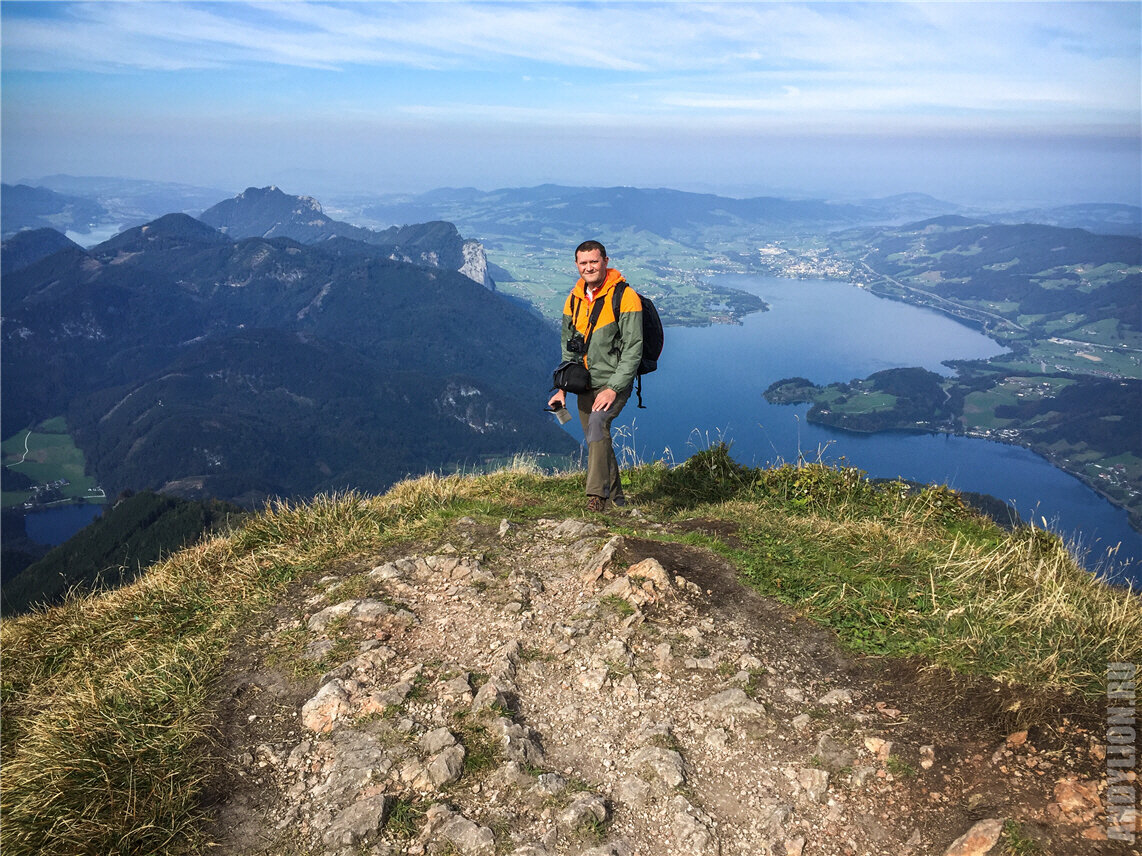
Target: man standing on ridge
{"x": 611, "y": 349}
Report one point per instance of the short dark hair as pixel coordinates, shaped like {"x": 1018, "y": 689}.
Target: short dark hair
{"x": 588, "y": 246}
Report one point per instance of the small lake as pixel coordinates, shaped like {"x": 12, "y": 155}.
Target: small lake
{"x": 710, "y": 382}
{"x": 87, "y": 240}
{"x": 53, "y": 526}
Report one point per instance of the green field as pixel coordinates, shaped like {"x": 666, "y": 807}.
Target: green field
{"x": 672, "y": 274}
{"x": 979, "y": 407}
{"x": 862, "y": 401}
{"x": 47, "y": 454}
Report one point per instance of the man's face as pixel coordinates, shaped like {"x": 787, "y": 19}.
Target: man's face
{"x": 592, "y": 266}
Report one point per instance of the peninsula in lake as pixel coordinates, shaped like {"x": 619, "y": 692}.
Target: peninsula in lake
{"x": 1066, "y": 304}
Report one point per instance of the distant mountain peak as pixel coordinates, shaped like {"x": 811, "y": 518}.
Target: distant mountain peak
{"x": 30, "y": 246}
{"x": 267, "y": 212}
{"x": 274, "y": 194}
{"x": 170, "y": 230}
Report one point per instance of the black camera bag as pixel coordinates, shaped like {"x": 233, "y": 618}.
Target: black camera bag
{"x": 572, "y": 376}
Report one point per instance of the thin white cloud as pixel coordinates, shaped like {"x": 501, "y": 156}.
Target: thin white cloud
{"x": 640, "y": 62}
{"x": 651, "y": 37}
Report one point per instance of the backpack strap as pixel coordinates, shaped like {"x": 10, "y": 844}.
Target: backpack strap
{"x": 616, "y": 301}
{"x": 592, "y": 321}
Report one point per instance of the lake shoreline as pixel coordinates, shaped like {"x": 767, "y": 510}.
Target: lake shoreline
{"x": 1133, "y": 514}
{"x": 1134, "y": 519}
{"x": 711, "y": 383}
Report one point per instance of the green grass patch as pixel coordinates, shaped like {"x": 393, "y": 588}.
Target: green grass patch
{"x": 861, "y": 402}
{"x": 900, "y": 572}
{"x": 404, "y": 818}
{"x": 1016, "y": 842}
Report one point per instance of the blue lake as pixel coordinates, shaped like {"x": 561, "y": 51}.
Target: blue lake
{"x": 55, "y": 525}
{"x": 710, "y": 382}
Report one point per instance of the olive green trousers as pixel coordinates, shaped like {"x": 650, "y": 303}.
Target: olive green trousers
{"x": 602, "y": 465}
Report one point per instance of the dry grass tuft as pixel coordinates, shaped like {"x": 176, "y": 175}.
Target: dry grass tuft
{"x": 1029, "y": 593}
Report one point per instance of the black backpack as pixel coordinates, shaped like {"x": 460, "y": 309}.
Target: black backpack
{"x": 651, "y": 334}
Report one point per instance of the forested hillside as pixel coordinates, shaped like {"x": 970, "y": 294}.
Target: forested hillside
{"x": 116, "y": 548}
{"x": 193, "y": 363}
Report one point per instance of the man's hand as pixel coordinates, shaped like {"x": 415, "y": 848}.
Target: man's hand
{"x": 604, "y": 399}
{"x": 559, "y": 398}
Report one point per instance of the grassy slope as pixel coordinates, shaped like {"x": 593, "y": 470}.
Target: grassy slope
{"x": 106, "y": 699}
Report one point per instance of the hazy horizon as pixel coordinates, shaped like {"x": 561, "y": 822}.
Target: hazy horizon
{"x": 981, "y": 104}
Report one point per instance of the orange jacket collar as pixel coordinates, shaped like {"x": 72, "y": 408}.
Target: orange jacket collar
{"x": 613, "y": 276}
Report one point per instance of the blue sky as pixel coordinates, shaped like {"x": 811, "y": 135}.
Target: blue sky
{"x": 974, "y": 102}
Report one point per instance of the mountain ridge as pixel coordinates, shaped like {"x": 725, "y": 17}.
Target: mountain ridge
{"x": 268, "y": 212}
{"x": 114, "y": 331}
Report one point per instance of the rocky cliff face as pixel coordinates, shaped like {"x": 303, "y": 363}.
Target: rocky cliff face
{"x": 267, "y": 212}
{"x": 552, "y": 688}
{"x": 475, "y": 265}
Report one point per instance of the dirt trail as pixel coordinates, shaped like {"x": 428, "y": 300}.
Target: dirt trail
{"x": 547, "y": 688}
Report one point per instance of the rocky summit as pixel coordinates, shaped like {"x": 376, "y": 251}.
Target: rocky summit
{"x": 550, "y": 687}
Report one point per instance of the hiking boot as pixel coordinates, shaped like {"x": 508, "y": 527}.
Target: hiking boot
{"x": 596, "y": 504}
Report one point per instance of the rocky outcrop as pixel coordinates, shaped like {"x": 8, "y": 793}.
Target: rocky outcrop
{"x": 267, "y": 212}
{"x": 554, "y": 688}
{"x": 475, "y": 265}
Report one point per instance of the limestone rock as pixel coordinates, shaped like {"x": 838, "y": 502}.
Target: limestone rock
{"x": 380, "y": 701}
{"x": 586, "y": 812}
{"x": 446, "y": 767}
{"x": 611, "y": 848}
{"x": 597, "y": 563}
{"x": 321, "y": 620}
{"x": 837, "y": 697}
{"x": 614, "y": 653}
{"x": 489, "y": 697}
{"x": 833, "y": 754}
{"x": 1076, "y": 801}
{"x": 633, "y": 791}
{"x": 436, "y": 740}
{"x": 518, "y": 741}
{"x": 594, "y": 679}
{"x": 692, "y": 830}
{"x": 665, "y": 765}
{"x": 977, "y": 841}
{"x": 350, "y": 762}
{"x": 457, "y": 689}
{"x": 361, "y": 820}
{"x": 467, "y": 837}
{"x": 329, "y": 704}
{"x": 814, "y": 783}
{"x": 729, "y": 706}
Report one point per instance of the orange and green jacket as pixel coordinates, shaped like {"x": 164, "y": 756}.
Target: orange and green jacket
{"x": 615, "y": 349}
